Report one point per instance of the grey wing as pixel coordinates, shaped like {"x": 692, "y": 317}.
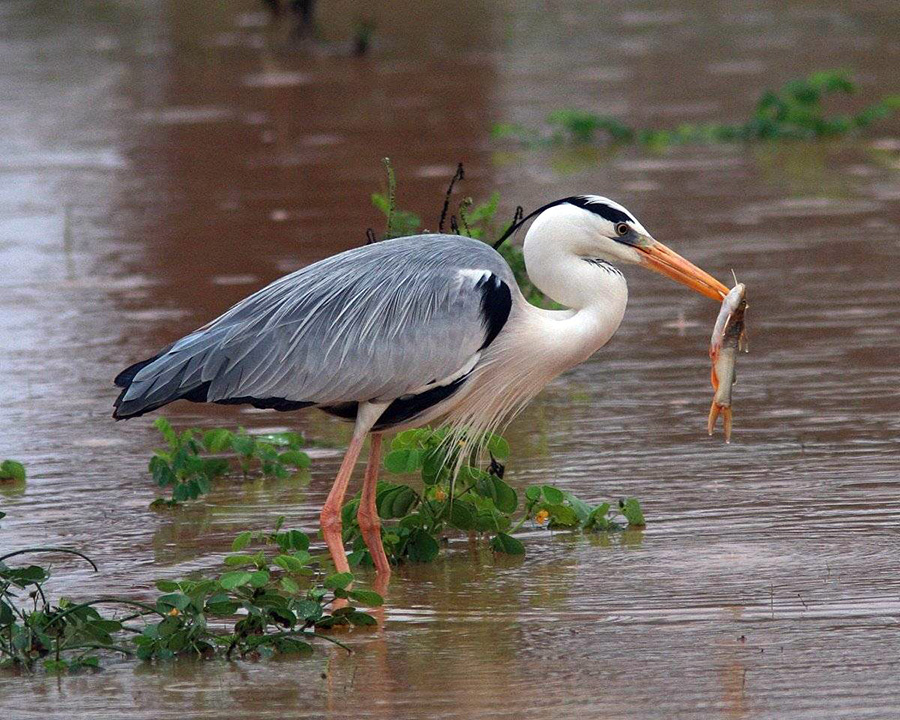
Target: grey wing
{"x": 374, "y": 323}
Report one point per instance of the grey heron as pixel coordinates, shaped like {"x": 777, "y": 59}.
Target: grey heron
{"x": 415, "y": 330}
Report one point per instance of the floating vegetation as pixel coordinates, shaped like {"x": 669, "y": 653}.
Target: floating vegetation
{"x": 272, "y": 598}
{"x": 194, "y": 458}
{"x": 12, "y": 471}
{"x": 794, "y": 112}
{"x": 478, "y": 503}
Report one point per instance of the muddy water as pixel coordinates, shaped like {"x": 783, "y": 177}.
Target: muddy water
{"x": 160, "y": 160}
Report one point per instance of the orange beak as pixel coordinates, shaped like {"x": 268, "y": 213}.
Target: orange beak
{"x": 656, "y": 256}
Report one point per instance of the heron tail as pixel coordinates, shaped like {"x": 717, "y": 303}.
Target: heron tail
{"x": 161, "y": 382}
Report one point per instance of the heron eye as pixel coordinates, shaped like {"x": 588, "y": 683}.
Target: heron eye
{"x": 622, "y": 229}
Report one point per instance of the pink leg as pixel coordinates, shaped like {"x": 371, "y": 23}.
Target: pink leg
{"x": 369, "y": 524}
{"x": 331, "y": 512}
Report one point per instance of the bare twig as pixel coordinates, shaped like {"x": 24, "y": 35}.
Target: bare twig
{"x": 458, "y": 175}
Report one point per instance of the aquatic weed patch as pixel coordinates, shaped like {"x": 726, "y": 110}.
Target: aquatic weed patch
{"x": 795, "y": 112}
{"x": 272, "y": 597}
{"x": 478, "y": 502}
{"x": 194, "y": 458}
{"x": 12, "y": 471}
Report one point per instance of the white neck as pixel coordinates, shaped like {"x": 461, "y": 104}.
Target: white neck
{"x": 596, "y": 293}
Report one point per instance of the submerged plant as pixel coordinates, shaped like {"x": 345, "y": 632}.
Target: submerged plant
{"x": 272, "y": 597}
{"x": 479, "y": 502}
{"x": 795, "y": 111}
{"x": 194, "y": 458}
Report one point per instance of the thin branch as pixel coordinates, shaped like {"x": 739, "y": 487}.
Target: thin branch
{"x": 458, "y": 175}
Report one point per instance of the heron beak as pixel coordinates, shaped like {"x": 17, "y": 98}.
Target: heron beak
{"x": 657, "y": 257}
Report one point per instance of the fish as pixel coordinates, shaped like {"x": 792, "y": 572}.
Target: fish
{"x": 728, "y": 338}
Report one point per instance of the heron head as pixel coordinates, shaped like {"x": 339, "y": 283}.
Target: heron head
{"x": 595, "y": 227}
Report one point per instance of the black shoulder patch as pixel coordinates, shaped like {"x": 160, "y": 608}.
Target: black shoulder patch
{"x": 496, "y": 303}
{"x": 400, "y": 410}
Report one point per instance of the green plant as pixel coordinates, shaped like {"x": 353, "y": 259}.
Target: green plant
{"x": 63, "y": 636}
{"x": 399, "y": 223}
{"x": 475, "y": 221}
{"x": 186, "y": 467}
{"x": 12, "y": 470}
{"x": 796, "y": 111}
{"x": 479, "y": 502}
{"x": 272, "y": 598}
{"x": 277, "y": 592}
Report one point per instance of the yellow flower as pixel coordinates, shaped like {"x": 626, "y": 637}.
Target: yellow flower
{"x": 440, "y": 495}
{"x": 174, "y": 612}
{"x": 542, "y": 517}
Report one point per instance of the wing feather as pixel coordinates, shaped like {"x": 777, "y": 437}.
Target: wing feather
{"x": 374, "y": 322}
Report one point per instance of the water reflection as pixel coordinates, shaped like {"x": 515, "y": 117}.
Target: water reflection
{"x": 160, "y": 161}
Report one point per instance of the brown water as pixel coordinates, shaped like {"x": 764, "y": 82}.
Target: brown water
{"x": 160, "y": 160}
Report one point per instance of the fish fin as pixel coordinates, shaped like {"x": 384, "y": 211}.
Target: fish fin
{"x": 726, "y": 422}
{"x": 713, "y": 414}
{"x": 713, "y": 378}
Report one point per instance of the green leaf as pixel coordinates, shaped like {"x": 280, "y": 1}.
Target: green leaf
{"x": 395, "y": 501}
{"x": 432, "y": 466}
{"x": 462, "y": 515}
{"x": 308, "y": 610}
{"x": 242, "y": 444}
{"x": 161, "y": 471}
{"x": 504, "y": 543}
{"x": 631, "y": 509}
{"x": 168, "y": 433}
{"x": 295, "y": 458}
{"x": 581, "y": 508}
{"x": 217, "y": 440}
{"x": 361, "y": 619}
{"x": 422, "y": 547}
{"x": 405, "y": 460}
{"x": 553, "y": 496}
{"x": 562, "y": 516}
{"x": 532, "y": 493}
{"x": 289, "y": 585}
{"x": 167, "y": 586}
{"x": 231, "y": 580}
{"x": 259, "y": 578}
{"x": 7, "y": 617}
{"x": 176, "y": 600}
{"x": 292, "y": 540}
{"x": 338, "y": 580}
{"x": 241, "y": 541}
{"x": 290, "y": 563}
{"x": 366, "y": 597}
{"x": 181, "y": 492}
{"x": 599, "y": 519}
{"x": 498, "y": 447}
{"x": 12, "y": 470}
{"x": 505, "y": 498}
{"x": 220, "y": 604}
